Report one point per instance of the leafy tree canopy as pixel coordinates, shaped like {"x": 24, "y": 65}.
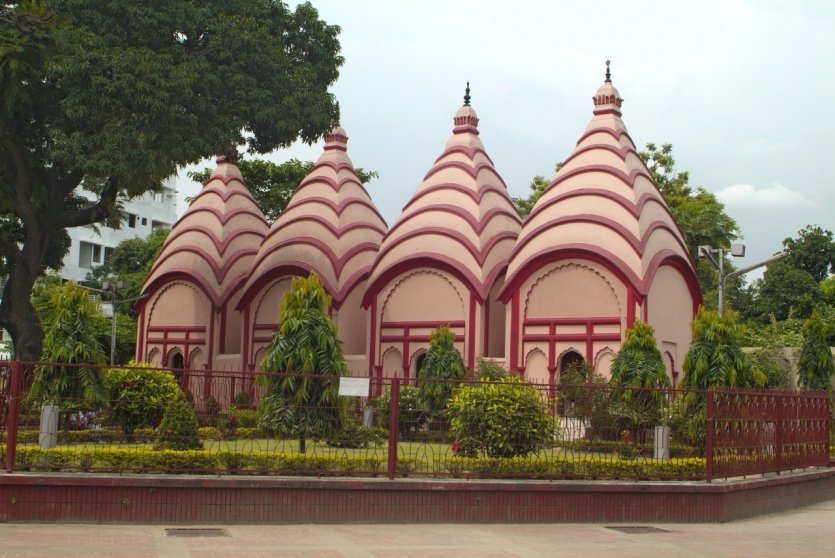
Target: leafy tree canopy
{"x": 639, "y": 363}
{"x": 117, "y": 95}
{"x": 816, "y": 366}
{"x": 813, "y": 251}
{"x": 273, "y": 185}
{"x": 442, "y": 362}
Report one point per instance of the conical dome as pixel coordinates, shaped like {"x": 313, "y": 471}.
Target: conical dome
{"x": 330, "y": 227}
{"x": 460, "y": 218}
{"x": 604, "y": 204}
{"x": 214, "y": 243}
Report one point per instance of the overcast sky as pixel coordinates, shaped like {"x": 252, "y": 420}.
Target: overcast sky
{"x": 743, "y": 91}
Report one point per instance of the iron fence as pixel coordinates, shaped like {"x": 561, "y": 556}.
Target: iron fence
{"x": 247, "y": 424}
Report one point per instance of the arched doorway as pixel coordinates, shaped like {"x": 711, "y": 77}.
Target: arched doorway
{"x": 178, "y": 364}
{"x": 572, "y": 360}
{"x": 418, "y": 365}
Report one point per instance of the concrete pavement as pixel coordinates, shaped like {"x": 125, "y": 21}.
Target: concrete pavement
{"x": 806, "y": 532}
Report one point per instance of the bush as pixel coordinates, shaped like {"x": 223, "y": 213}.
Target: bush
{"x": 138, "y": 396}
{"x": 243, "y": 400}
{"x": 504, "y": 419}
{"x": 587, "y": 396}
{"x": 489, "y": 371}
{"x": 442, "y": 362}
{"x": 274, "y": 417}
{"x": 355, "y": 435}
{"x": 233, "y": 420}
{"x": 178, "y": 429}
{"x": 411, "y": 417}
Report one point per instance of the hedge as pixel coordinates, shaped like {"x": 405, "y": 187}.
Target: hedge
{"x": 692, "y": 468}
{"x": 108, "y": 459}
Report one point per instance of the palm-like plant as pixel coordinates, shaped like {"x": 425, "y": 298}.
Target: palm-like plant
{"x": 715, "y": 358}
{"x": 301, "y": 363}
{"x": 70, "y": 340}
{"x": 639, "y": 365}
{"x": 442, "y": 362}
{"x": 815, "y": 366}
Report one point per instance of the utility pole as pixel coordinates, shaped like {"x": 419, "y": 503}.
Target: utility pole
{"x": 738, "y": 251}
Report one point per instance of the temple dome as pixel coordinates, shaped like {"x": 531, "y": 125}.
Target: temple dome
{"x": 460, "y": 218}
{"x": 603, "y": 204}
{"x": 215, "y": 241}
{"x": 330, "y": 227}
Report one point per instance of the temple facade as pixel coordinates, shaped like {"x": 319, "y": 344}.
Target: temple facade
{"x": 599, "y": 250}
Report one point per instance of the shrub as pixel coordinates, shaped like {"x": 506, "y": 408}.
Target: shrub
{"x": 178, "y": 428}
{"x": 442, "y": 362}
{"x": 353, "y": 433}
{"x": 586, "y": 395}
{"x": 243, "y": 400}
{"x": 503, "y": 419}
{"x": 815, "y": 366}
{"x": 138, "y": 396}
{"x": 489, "y": 371}
{"x": 411, "y": 417}
{"x": 274, "y": 417}
{"x": 233, "y": 420}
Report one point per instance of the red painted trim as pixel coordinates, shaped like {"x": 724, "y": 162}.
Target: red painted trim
{"x": 477, "y": 224}
{"x": 589, "y": 252}
{"x": 627, "y": 179}
{"x": 405, "y": 355}
{"x": 286, "y": 269}
{"x": 224, "y": 193}
{"x": 634, "y": 208}
{"x": 222, "y": 217}
{"x": 211, "y": 338}
{"x": 572, "y": 321}
{"x": 139, "y": 355}
{"x": 614, "y": 112}
{"x": 183, "y": 274}
{"x": 336, "y": 185}
{"x": 630, "y": 307}
{"x": 372, "y": 345}
{"x": 514, "y": 330}
{"x": 470, "y": 152}
{"x": 423, "y": 324}
{"x": 220, "y": 245}
{"x": 471, "y": 327}
{"x": 247, "y": 341}
{"x": 475, "y": 195}
{"x": 425, "y": 260}
{"x": 606, "y": 130}
{"x": 485, "y": 338}
{"x": 337, "y": 231}
{"x": 182, "y": 329}
{"x": 590, "y": 343}
{"x": 222, "y": 340}
{"x": 621, "y": 151}
{"x": 337, "y": 262}
{"x": 337, "y": 208}
{"x": 219, "y": 271}
{"x": 639, "y": 245}
{"x": 414, "y": 338}
{"x": 680, "y": 264}
{"x": 480, "y": 255}
{"x": 532, "y": 337}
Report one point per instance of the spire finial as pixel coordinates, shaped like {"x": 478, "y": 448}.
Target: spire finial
{"x": 467, "y": 95}
{"x": 608, "y": 73}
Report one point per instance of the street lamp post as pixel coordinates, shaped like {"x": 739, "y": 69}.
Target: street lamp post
{"x": 113, "y": 286}
{"x": 737, "y": 251}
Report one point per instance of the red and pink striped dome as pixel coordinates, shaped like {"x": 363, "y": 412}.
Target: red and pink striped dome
{"x": 214, "y": 243}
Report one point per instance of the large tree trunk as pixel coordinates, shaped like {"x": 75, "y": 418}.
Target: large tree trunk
{"x": 17, "y": 315}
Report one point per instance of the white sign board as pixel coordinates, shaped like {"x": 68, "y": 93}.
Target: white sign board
{"x": 356, "y": 387}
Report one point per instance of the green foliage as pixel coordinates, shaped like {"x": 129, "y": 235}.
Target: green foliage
{"x": 353, "y": 433}
{"x": 784, "y": 292}
{"x": 816, "y": 365}
{"x": 639, "y": 363}
{"x": 272, "y": 185}
{"x": 699, "y": 214}
{"x": 117, "y": 95}
{"x": 71, "y": 340}
{"x": 489, "y": 371}
{"x": 500, "y": 419}
{"x": 813, "y": 251}
{"x": 178, "y": 429}
{"x": 769, "y": 358}
{"x": 306, "y": 342}
{"x": 411, "y": 416}
{"x": 233, "y": 420}
{"x": 715, "y": 358}
{"x": 139, "y": 395}
{"x": 538, "y": 186}
{"x": 442, "y": 362}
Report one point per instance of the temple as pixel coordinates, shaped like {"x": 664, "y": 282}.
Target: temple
{"x": 599, "y": 250}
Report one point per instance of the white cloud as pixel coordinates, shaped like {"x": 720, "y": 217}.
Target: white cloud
{"x": 775, "y": 196}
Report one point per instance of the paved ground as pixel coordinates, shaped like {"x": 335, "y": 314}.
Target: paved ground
{"x": 807, "y": 532}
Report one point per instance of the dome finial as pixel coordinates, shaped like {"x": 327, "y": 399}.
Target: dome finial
{"x": 467, "y": 95}
{"x": 608, "y": 73}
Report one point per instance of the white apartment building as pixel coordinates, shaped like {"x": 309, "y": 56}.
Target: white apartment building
{"x": 91, "y": 248}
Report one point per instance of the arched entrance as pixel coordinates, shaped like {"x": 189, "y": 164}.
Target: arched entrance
{"x": 178, "y": 364}
{"x": 572, "y": 359}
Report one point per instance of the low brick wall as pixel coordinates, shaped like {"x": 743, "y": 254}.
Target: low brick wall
{"x": 194, "y": 500}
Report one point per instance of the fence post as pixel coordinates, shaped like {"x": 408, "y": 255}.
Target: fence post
{"x": 394, "y": 419}
{"x": 14, "y": 416}
{"x": 709, "y": 448}
{"x": 778, "y": 433}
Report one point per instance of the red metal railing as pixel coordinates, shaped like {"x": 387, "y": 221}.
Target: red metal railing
{"x": 596, "y": 431}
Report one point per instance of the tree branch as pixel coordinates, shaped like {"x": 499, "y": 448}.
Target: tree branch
{"x": 94, "y": 212}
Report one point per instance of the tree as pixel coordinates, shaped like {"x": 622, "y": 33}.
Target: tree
{"x": 538, "y": 186}
{"x": 639, "y": 364}
{"x": 302, "y": 363}
{"x": 715, "y": 358}
{"x": 813, "y": 251}
{"x": 139, "y": 395}
{"x": 783, "y": 292}
{"x": 815, "y": 366}
{"x": 71, "y": 340}
{"x": 443, "y": 365}
{"x": 115, "y": 96}
{"x": 699, "y": 214}
{"x": 273, "y": 185}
